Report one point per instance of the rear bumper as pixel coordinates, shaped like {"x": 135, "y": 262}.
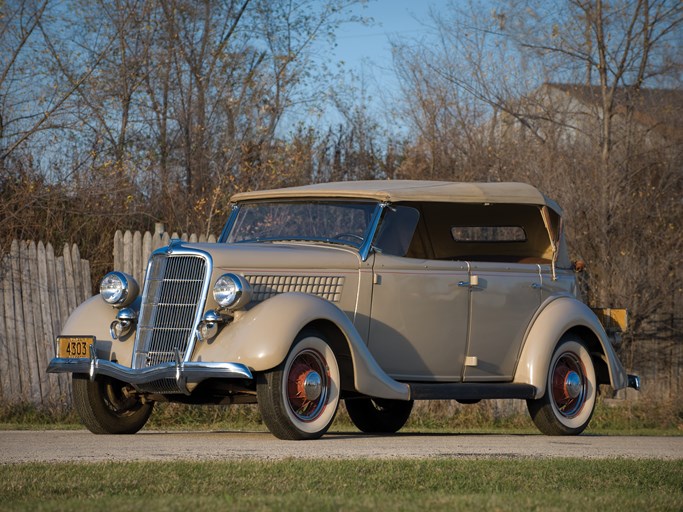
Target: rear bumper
{"x": 183, "y": 372}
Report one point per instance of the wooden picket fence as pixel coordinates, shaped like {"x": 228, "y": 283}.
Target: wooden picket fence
{"x": 38, "y": 291}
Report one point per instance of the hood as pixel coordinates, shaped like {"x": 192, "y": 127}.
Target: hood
{"x": 279, "y": 255}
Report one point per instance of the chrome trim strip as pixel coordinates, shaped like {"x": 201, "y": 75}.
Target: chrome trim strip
{"x": 185, "y": 371}
{"x": 228, "y": 225}
{"x": 372, "y": 229}
{"x": 93, "y": 360}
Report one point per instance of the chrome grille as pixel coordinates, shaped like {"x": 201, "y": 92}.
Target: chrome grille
{"x": 266, "y": 286}
{"x": 171, "y": 304}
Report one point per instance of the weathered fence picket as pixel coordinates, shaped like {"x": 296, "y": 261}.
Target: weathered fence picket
{"x": 38, "y": 293}
{"x": 132, "y": 250}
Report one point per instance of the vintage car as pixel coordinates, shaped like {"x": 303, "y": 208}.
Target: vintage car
{"x": 377, "y": 293}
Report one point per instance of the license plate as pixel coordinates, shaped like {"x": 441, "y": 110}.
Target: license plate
{"x": 74, "y": 347}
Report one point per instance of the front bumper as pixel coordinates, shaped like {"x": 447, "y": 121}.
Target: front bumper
{"x": 183, "y": 372}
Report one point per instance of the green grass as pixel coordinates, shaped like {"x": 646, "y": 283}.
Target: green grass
{"x": 452, "y": 484}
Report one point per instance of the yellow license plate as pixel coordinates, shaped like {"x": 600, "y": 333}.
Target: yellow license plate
{"x": 75, "y": 346}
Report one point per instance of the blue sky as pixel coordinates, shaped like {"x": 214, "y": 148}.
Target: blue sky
{"x": 392, "y": 19}
{"x": 365, "y": 50}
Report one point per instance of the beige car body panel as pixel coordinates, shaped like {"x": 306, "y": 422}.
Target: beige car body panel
{"x": 418, "y": 325}
{"x": 503, "y": 303}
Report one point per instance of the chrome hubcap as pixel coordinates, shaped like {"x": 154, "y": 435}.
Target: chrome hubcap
{"x": 572, "y": 384}
{"x": 313, "y": 385}
{"x": 568, "y": 387}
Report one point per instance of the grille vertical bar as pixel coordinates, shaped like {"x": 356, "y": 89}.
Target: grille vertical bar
{"x": 169, "y": 310}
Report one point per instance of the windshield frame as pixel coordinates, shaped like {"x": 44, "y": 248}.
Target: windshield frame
{"x": 368, "y": 236}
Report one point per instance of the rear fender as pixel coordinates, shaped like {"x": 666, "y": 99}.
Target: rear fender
{"x": 557, "y": 317}
{"x": 261, "y": 337}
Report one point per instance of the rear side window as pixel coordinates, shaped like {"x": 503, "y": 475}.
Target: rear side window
{"x": 484, "y": 234}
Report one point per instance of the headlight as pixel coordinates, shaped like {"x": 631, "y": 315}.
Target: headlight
{"x": 119, "y": 289}
{"x": 125, "y": 319}
{"x": 232, "y": 291}
{"x": 208, "y": 327}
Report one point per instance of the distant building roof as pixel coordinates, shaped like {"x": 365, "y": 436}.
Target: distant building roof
{"x": 660, "y": 110}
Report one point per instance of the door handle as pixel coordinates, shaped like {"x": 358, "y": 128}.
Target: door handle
{"x": 536, "y": 286}
{"x": 474, "y": 281}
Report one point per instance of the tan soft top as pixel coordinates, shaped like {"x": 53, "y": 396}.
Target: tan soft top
{"x": 411, "y": 190}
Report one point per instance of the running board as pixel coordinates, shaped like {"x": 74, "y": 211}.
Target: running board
{"x": 470, "y": 391}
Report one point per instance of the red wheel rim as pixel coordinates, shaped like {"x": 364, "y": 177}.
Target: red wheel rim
{"x": 308, "y": 383}
{"x": 568, "y": 385}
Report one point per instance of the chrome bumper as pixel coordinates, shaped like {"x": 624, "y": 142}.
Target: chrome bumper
{"x": 181, "y": 371}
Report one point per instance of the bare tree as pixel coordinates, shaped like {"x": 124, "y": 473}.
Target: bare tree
{"x": 115, "y": 114}
{"x": 19, "y": 28}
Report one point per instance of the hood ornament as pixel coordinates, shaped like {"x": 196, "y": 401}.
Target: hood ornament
{"x": 175, "y": 243}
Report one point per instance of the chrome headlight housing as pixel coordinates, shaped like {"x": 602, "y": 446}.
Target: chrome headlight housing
{"x": 119, "y": 289}
{"x": 231, "y": 291}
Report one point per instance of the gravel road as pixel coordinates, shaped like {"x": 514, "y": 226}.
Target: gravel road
{"x": 82, "y": 446}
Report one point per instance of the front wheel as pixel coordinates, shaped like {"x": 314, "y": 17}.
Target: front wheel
{"x": 105, "y": 406}
{"x": 298, "y": 399}
{"x": 567, "y": 406}
{"x": 378, "y": 415}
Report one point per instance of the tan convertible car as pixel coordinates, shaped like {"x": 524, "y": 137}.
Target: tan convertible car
{"x": 378, "y": 293}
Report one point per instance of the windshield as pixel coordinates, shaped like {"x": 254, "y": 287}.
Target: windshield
{"x": 331, "y": 221}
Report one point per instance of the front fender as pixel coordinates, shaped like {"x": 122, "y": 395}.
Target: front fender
{"x": 93, "y": 318}
{"x": 261, "y": 337}
{"x": 558, "y": 316}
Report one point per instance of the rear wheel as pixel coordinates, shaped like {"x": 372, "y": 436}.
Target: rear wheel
{"x": 569, "y": 400}
{"x": 378, "y": 415}
{"x": 105, "y": 406}
{"x": 298, "y": 399}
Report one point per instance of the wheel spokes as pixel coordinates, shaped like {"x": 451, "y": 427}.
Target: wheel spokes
{"x": 568, "y": 385}
{"x": 307, "y": 385}
{"x": 117, "y": 400}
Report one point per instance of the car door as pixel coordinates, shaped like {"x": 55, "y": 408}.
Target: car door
{"x": 418, "y": 324}
{"x": 503, "y": 300}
